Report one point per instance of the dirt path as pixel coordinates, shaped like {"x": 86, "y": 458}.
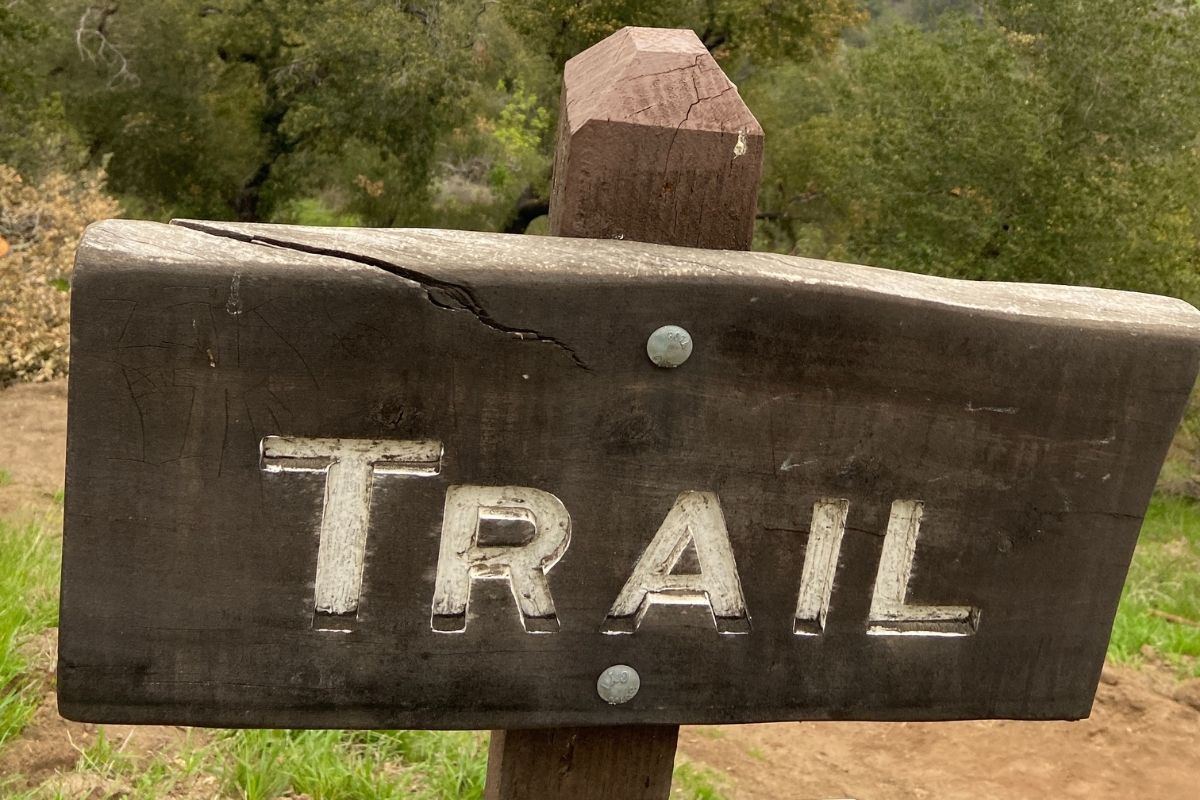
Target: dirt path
{"x": 1142, "y": 741}
{"x": 33, "y": 445}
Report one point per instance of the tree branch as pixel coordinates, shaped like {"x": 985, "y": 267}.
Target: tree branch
{"x": 93, "y": 43}
{"x": 529, "y": 207}
{"x": 795, "y": 200}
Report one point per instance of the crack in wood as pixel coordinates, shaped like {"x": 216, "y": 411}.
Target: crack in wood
{"x": 459, "y": 297}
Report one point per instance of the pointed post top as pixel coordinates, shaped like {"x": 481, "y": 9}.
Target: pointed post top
{"x": 652, "y": 76}
{"x": 655, "y": 144}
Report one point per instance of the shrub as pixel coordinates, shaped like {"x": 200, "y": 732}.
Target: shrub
{"x": 39, "y": 228}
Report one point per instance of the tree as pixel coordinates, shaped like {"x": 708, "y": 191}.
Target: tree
{"x": 759, "y": 29}
{"x": 31, "y": 128}
{"x": 17, "y": 32}
{"x": 373, "y": 111}
{"x": 239, "y": 107}
{"x": 1036, "y": 142}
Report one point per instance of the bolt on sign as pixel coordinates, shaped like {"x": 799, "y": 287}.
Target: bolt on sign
{"x": 400, "y": 478}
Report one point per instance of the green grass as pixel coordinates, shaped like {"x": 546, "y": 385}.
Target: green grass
{"x": 693, "y": 782}
{"x": 140, "y": 778}
{"x": 5, "y": 477}
{"x": 29, "y": 557}
{"x": 1162, "y": 592}
{"x": 329, "y": 765}
{"x": 341, "y": 765}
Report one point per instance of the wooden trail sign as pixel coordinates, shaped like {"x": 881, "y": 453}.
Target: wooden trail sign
{"x": 431, "y": 479}
{"x": 353, "y": 478}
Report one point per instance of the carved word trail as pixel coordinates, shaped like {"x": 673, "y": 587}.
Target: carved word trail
{"x": 695, "y": 521}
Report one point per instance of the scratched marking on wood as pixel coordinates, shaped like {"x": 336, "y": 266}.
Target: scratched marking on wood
{"x": 985, "y": 453}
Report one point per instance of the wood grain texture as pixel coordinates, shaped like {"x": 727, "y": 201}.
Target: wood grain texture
{"x": 655, "y": 145}
{"x": 581, "y": 763}
{"x": 1029, "y": 422}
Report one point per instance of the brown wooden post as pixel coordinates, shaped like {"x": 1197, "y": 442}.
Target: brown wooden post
{"x": 654, "y": 145}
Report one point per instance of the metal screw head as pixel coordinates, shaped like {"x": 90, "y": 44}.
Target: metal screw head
{"x": 618, "y": 684}
{"x": 669, "y": 346}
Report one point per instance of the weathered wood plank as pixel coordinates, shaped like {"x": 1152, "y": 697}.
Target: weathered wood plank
{"x": 1029, "y": 423}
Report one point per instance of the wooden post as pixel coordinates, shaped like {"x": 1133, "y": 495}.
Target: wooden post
{"x": 654, "y": 145}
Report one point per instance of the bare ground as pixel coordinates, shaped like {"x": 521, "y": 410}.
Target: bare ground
{"x": 33, "y": 445}
{"x": 1142, "y": 740}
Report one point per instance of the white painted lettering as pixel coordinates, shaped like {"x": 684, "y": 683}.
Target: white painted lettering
{"x": 695, "y": 519}
{"x": 350, "y": 466}
{"x": 462, "y": 559}
{"x": 689, "y": 560}
{"x": 891, "y": 615}
{"x": 820, "y": 565}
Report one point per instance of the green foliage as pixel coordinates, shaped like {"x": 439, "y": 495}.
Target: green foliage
{"x": 761, "y": 29}
{"x": 379, "y": 112}
{"x": 496, "y": 158}
{"x": 315, "y": 211}
{"x": 523, "y": 124}
{"x": 1037, "y": 143}
{"x": 235, "y": 108}
{"x": 17, "y": 33}
{"x": 767, "y": 30}
{"x": 1159, "y": 615}
{"x": 33, "y": 132}
{"x": 29, "y": 558}
{"x": 1180, "y": 476}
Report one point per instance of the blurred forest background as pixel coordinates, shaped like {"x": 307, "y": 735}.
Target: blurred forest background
{"x": 1002, "y": 139}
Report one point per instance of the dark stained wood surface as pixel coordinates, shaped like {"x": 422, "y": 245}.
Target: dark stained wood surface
{"x": 1030, "y": 421}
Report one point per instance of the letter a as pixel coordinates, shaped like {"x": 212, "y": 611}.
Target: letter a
{"x": 694, "y": 519}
